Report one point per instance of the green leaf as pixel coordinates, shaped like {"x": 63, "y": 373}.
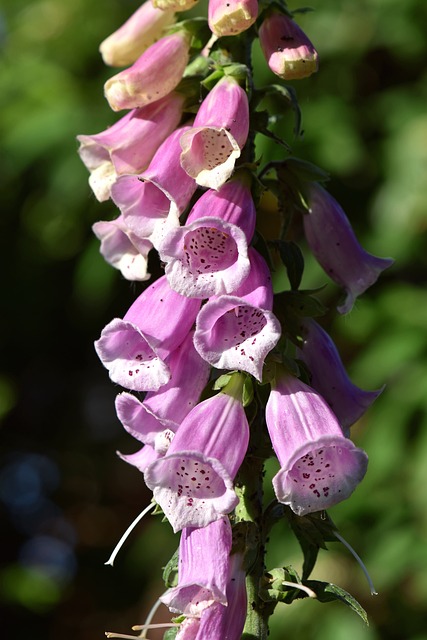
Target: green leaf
{"x": 293, "y": 259}
{"x": 328, "y": 592}
{"x": 170, "y": 571}
{"x": 248, "y": 391}
{"x": 302, "y": 303}
{"x": 171, "y": 633}
{"x": 222, "y": 381}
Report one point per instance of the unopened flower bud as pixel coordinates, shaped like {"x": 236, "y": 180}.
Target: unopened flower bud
{"x": 288, "y": 51}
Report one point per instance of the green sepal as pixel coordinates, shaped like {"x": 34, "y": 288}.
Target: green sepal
{"x": 248, "y": 392}
{"x": 170, "y": 571}
{"x": 285, "y": 96}
{"x": 328, "y": 592}
{"x": 171, "y": 633}
{"x": 306, "y": 171}
{"x": 223, "y": 381}
{"x": 273, "y": 589}
{"x": 312, "y": 532}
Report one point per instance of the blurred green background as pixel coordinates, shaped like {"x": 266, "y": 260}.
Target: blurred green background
{"x": 65, "y": 498}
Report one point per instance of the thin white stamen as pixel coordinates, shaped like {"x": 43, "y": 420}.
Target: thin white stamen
{"x": 296, "y": 585}
{"x": 150, "y": 616}
{"x": 118, "y": 546}
{"x": 359, "y": 560}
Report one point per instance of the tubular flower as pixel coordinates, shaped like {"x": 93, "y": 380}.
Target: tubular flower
{"x": 211, "y": 147}
{"x": 139, "y": 32}
{"x": 155, "y": 74}
{"x": 204, "y": 558}
{"x": 208, "y": 256}
{"x": 335, "y": 246}
{"x": 319, "y": 466}
{"x": 231, "y": 18}
{"x": 238, "y": 331}
{"x": 122, "y": 249}
{"x": 134, "y": 349}
{"x": 129, "y": 145}
{"x": 193, "y": 483}
{"x": 288, "y": 51}
{"x": 219, "y": 622}
{"x": 167, "y": 407}
{"x": 329, "y": 377}
{"x": 155, "y": 198}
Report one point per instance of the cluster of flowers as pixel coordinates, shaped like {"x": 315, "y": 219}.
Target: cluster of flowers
{"x": 213, "y": 307}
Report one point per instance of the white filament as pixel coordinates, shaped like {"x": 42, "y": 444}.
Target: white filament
{"x": 296, "y": 585}
{"x": 359, "y": 560}
{"x": 118, "y": 546}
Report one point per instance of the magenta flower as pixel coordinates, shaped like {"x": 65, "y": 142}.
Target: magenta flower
{"x": 134, "y": 349}
{"x": 319, "y": 466}
{"x": 209, "y": 255}
{"x": 145, "y": 26}
{"x": 193, "y": 483}
{"x": 154, "y": 199}
{"x": 129, "y": 145}
{"x": 122, "y": 249}
{"x": 155, "y": 74}
{"x": 204, "y": 559}
{"x": 211, "y": 148}
{"x": 288, "y": 51}
{"x": 238, "y": 331}
{"x": 329, "y": 377}
{"x": 231, "y": 18}
{"x": 335, "y": 246}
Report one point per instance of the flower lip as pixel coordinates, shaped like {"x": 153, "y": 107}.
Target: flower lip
{"x": 320, "y": 474}
{"x": 192, "y": 489}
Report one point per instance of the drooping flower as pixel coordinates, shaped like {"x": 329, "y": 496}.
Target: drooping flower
{"x": 319, "y": 466}
{"x": 211, "y": 147}
{"x": 209, "y": 255}
{"x": 167, "y": 407}
{"x": 231, "y": 18}
{"x": 155, "y": 74}
{"x": 155, "y": 198}
{"x": 238, "y": 331}
{"x": 122, "y": 249}
{"x": 203, "y": 569}
{"x": 134, "y": 349}
{"x": 193, "y": 482}
{"x": 334, "y": 245}
{"x": 129, "y": 145}
{"x": 329, "y": 377}
{"x": 288, "y": 51}
{"x": 145, "y": 26}
{"x": 219, "y": 622}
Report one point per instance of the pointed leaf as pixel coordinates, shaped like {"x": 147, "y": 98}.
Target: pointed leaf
{"x": 328, "y": 592}
{"x": 293, "y": 259}
{"x": 170, "y": 572}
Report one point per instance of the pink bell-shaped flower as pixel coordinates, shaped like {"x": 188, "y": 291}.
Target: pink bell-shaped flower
{"x": 238, "y": 331}
{"x": 193, "y": 482}
{"x": 209, "y": 255}
{"x": 155, "y": 74}
{"x": 319, "y": 466}
{"x": 129, "y": 145}
{"x": 134, "y": 349}
{"x": 334, "y": 245}
{"x": 145, "y": 26}
{"x": 329, "y": 377}
{"x": 211, "y": 147}
{"x": 152, "y": 201}
{"x": 288, "y": 51}
{"x": 122, "y": 249}
{"x": 231, "y": 18}
{"x": 204, "y": 558}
